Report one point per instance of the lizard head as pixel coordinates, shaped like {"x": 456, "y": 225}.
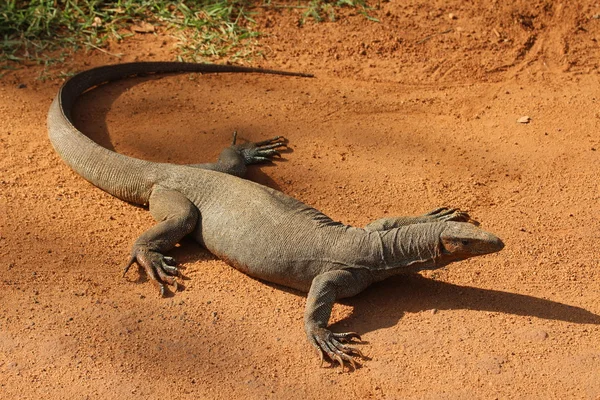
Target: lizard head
{"x": 461, "y": 240}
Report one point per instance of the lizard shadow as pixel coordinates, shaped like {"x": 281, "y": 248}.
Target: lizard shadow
{"x": 414, "y": 293}
{"x": 94, "y": 124}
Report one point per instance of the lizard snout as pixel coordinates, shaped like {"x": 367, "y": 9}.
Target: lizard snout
{"x": 465, "y": 240}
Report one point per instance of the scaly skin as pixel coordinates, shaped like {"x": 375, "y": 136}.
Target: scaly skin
{"x": 258, "y": 230}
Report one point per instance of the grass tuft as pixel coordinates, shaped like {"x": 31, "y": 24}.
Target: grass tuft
{"x": 30, "y": 29}
{"x": 45, "y": 31}
{"x": 320, "y": 10}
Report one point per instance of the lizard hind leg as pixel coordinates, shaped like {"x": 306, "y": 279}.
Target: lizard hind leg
{"x": 234, "y": 159}
{"x": 257, "y": 152}
{"x": 177, "y": 216}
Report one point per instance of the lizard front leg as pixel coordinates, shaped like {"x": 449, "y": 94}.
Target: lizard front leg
{"x": 177, "y": 216}
{"x": 440, "y": 214}
{"x": 325, "y": 289}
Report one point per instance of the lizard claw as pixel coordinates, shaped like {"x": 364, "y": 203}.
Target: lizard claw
{"x": 331, "y": 343}
{"x": 159, "y": 268}
{"x": 262, "y": 151}
{"x": 443, "y": 214}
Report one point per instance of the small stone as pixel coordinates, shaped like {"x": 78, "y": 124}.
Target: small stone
{"x": 433, "y": 311}
{"x": 452, "y": 16}
{"x": 524, "y": 119}
{"x": 143, "y": 27}
{"x": 97, "y": 22}
{"x": 491, "y": 364}
{"x": 533, "y": 335}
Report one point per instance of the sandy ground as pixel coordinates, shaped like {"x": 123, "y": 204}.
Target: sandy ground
{"x": 417, "y": 111}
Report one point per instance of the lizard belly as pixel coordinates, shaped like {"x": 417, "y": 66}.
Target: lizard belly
{"x": 268, "y": 235}
{"x": 280, "y": 273}
{"x": 267, "y": 258}
{"x": 289, "y": 257}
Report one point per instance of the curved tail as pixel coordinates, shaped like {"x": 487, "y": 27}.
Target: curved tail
{"x": 127, "y": 178}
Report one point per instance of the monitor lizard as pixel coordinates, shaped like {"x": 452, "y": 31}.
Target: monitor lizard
{"x": 256, "y": 229}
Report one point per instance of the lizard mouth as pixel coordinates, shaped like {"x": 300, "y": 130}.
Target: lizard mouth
{"x": 442, "y": 250}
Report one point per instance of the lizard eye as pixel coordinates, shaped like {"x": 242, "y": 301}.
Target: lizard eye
{"x": 465, "y": 242}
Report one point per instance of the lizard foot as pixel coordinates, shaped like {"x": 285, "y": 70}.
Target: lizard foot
{"x": 443, "y": 214}
{"x": 262, "y": 151}
{"x": 332, "y": 344}
{"x": 159, "y": 268}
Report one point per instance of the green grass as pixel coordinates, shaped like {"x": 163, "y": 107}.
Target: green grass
{"x": 318, "y": 10}
{"x": 44, "y": 31}
{"x": 32, "y": 30}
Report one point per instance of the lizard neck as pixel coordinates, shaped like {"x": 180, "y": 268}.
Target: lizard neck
{"x": 412, "y": 248}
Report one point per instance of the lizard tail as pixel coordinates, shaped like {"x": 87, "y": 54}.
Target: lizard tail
{"x": 127, "y": 178}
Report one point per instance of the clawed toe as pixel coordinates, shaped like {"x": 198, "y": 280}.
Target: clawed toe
{"x": 262, "y": 151}
{"x": 346, "y": 337}
{"x": 444, "y": 214}
{"x": 159, "y": 268}
{"x": 169, "y": 260}
{"x": 436, "y": 211}
{"x": 330, "y": 343}
{"x": 276, "y": 142}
